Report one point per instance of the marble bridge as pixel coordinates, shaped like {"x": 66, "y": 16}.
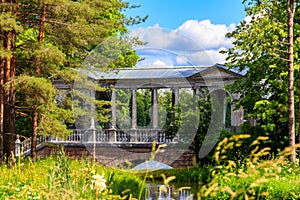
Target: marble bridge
{"x": 114, "y": 146}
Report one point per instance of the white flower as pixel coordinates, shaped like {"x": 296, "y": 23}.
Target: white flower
{"x": 279, "y": 169}
{"x": 98, "y": 183}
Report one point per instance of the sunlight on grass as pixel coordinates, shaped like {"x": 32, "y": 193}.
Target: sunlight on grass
{"x": 257, "y": 175}
{"x": 62, "y": 178}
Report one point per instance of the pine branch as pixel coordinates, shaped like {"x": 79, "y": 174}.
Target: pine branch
{"x": 56, "y": 22}
{"x": 281, "y": 51}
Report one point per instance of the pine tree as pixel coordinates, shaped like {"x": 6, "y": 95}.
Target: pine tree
{"x": 48, "y": 39}
{"x": 9, "y": 28}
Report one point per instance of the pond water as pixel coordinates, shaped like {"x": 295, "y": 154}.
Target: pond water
{"x": 161, "y": 192}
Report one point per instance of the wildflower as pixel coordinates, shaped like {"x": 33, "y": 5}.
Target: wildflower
{"x": 279, "y": 169}
{"x": 98, "y": 183}
{"x": 231, "y": 163}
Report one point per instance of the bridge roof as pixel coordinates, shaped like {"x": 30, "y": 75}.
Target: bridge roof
{"x": 148, "y": 73}
{"x": 155, "y": 72}
{"x": 169, "y": 77}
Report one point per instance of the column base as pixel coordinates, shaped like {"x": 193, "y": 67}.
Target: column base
{"x": 235, "y": 129}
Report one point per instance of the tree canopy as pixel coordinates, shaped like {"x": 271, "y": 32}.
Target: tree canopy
{"x": 263, "y": 53}
{"x": 43, "y": 40}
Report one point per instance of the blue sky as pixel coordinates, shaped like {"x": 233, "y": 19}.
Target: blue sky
{"x": 193, "y": 31}
{"x": 172, "y": 13}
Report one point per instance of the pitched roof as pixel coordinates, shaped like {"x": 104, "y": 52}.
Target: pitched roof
{"x": 154, "y": 73}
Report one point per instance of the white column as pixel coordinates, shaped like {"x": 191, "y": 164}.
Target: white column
{"x": 154, "y": 109}
{"x": 175, "y": 102}
{"x": 112, "y": 131}
{"x": 113, "y": 109}
{"x": 175, "y": 97}
{"x": 237, "y": 115}
{"x": 133, "y": 110}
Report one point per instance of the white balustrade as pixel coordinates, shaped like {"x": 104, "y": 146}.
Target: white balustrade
{"x": 82, "y": 136}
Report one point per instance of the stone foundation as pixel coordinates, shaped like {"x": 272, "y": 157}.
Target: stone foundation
{"x": 112, "y": 156}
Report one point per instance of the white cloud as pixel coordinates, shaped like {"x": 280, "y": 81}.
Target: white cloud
{"x": 181, "y": 60}
{"x": 206, "y": 57}
{"x": 155, "y": 26}
{"x": 194, "y": 42}
{"x": 160, "y": 64}
{"x": 206, "y": 34}
{"x": 165, "y": 39}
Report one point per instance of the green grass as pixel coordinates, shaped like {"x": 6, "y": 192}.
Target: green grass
{"x": 258, "y": 175}
{"x": 254, "y": 177}
{"x": 62, "y": 178}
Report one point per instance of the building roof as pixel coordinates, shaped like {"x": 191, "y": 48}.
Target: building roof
{"x": 154, "y": 73}
{"x": 169, "y": 77}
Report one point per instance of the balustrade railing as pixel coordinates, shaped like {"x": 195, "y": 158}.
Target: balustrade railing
{"x": 102, "y": 136}
{"x": 26, "y": 144}
{"x": 114, "y": 136}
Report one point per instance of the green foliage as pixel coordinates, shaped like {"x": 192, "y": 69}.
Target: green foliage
{"x": 190, "y": 175}
{"x": 123, "y": 108}
{"x": 53, "y": 47}
{"x": 62, "y": 178}
{"x": 169, "y": 114}
{"x": 255, "y": 174}
{"x": 23, "y": 126}
{"x": 252, "y": 176}
{"x": 60, "y": 175}
{"x": 8, "y": 21}
{"x": 39, "y": 96}
{"x": 205, "y": 111}
{"x": 143, "y": 100}
{"x": 260, "y": 52}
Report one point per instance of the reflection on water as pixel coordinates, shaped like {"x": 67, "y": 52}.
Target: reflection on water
{"x": 161, "y": 192}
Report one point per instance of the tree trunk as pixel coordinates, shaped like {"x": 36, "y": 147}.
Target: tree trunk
{"x": 40, "y": 38}
{"x": 1, "y": 148}
{"x": 299, "y": 117}
{"x": 291, "y": 12}
{"x": 34, "y": 136}
{"x": 9, "y": 95}
{"x": 1, "y": 92}
{"x": 1, "y": 108}
{"x": 8, "y": 71}
{"x": 38, "y": 72}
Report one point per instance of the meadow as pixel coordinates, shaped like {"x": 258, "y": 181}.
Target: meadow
{"x": 258, "y": 175}
{"x": 62, "y": 178}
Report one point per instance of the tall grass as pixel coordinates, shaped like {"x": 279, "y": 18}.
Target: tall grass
{"x": 242, "y": 168}
{"x": 257, "y": 176}
{"x": 62, "y": 178}
{"x": 254, "y": 175}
